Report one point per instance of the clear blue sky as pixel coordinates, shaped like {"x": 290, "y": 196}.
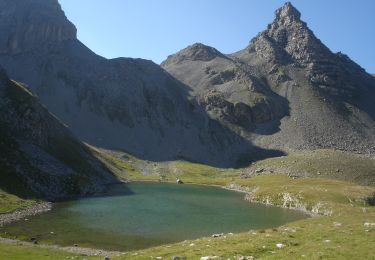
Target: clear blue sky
{"x": 154, "y": 29}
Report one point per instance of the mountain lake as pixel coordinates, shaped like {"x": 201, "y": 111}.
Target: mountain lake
{"x": 145, "y": 214}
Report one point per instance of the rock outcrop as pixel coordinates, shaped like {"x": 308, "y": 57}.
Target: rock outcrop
{"x": 229, "y": 90}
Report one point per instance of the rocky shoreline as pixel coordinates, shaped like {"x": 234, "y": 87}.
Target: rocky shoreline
{"x": 21, "y": 213}
{"x": 288, "y": 202}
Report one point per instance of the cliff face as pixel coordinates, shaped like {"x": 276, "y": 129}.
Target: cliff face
{"x": 290, "y": 90}
{"x": 39, "y": 156}
{"x": 29, "y": 24}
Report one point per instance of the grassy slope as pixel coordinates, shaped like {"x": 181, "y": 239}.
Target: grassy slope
{"x": 343, "y": 234}
{"x": 9, "y": 203}
{"x": 323, "y": 163}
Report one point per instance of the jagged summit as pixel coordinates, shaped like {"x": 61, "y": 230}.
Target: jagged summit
{"x": 288, "y": 11}
{"x": 288, "y": 79}
{"x": 288, "y": 39}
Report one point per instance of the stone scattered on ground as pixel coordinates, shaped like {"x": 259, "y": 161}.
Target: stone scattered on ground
{"x": 19, "y": 214}
{"x": 210, "y": 257}
{"x": 246, "y": 258}
{"x": 178, "y": 258}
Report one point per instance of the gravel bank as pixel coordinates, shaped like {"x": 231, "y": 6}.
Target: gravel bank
{"x": 18, "y": 214}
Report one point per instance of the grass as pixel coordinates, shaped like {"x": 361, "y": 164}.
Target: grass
{"x": 19, "y": 252}
{"x": 344, "y": 227}
{"x": 323, "y": 164}
{"x": 342, "y": 235}
{"x": 9, "y": 202}
{"x": 129, "y": 168}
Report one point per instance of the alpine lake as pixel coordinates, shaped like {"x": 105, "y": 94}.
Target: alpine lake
{"x": 145, "y": 214}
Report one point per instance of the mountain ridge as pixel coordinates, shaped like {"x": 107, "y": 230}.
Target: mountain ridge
{"x": 285, "y": 90}
{"x": 286, "y": 67}
{"x": 126, "y": 104}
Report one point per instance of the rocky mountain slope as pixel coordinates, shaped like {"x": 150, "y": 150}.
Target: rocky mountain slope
{"x": 38, "y": 155}
{"x": 127, "y": 104}
{"x": 286, "y": 90}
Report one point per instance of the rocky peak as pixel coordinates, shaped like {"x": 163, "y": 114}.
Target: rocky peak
{"x": 288, "y": 39}
{"x": 26, "y": 24}
{"x": 195, "y": 52}
{"x": 287, "y": 13}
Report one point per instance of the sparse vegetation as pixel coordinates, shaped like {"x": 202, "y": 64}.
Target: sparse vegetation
{"x": 323, "y": 164}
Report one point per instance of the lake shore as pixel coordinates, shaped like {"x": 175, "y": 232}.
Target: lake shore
{"x": 22, "y": 213}
{"x": 240, "y": 189}
{"x": 75, "y": 250}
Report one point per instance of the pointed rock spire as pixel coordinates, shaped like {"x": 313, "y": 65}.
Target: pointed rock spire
{"x": 288, "y": 39}
{"x": 288, "y": 11}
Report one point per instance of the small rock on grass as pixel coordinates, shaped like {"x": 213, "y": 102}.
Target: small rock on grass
{"x": 178, "y": 258}
{"x": 246, "y": 257}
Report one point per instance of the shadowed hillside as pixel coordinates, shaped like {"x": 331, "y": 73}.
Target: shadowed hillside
{"x": 39, "y": 156}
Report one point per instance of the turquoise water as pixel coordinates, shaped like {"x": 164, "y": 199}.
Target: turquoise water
{"x": 140, "y": 215}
